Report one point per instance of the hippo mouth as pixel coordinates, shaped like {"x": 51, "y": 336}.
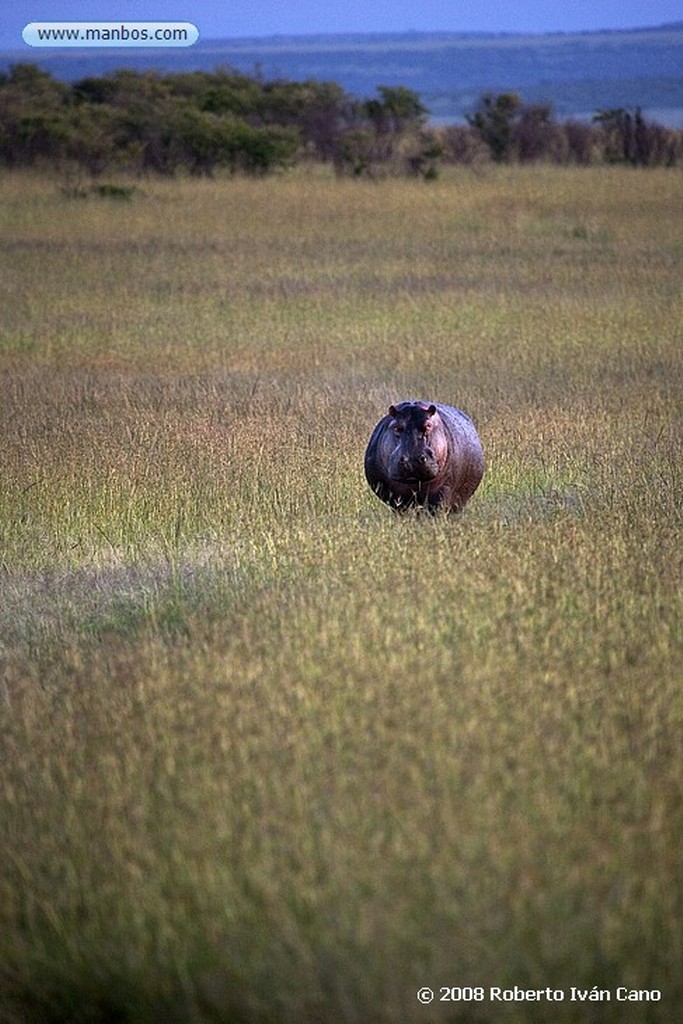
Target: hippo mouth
{"x": 416, "y": 476}
{"x": 413, "y": 470}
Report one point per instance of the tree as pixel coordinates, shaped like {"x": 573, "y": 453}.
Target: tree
{"x": 494, "y": 122}
{"x": 322, "y": 112}
{"x": 630, "y": 138}
{"x": 618, "y": 134}
{"x": 583, "y": 142}
{"x": 536, "y": 136}
{"x": 397, "y": 110}
{"x": 387, "y": 133}
{"x": 33, "y": 116}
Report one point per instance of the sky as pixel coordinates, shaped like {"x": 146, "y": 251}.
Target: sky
{"x": 237, "y": 18}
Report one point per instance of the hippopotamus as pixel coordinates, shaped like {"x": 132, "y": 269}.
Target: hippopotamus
{"x": 424, "y": 454}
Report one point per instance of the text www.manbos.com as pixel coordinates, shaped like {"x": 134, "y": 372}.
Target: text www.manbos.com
{"x": 109, "y": 33}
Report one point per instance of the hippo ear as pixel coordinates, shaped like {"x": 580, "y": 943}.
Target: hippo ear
{"x": 431, "y": 410}
{"x": 392, "y": 410}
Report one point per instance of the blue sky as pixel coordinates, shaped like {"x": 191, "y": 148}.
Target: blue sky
{"x": 230, "y": 18}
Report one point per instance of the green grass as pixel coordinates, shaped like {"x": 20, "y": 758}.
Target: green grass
{"x": 271, "y": 754}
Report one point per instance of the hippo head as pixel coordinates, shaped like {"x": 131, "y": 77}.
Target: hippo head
{"x": 419, "y": 443}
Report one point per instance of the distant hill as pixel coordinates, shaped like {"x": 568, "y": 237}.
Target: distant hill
{"x": 577, "y": 73}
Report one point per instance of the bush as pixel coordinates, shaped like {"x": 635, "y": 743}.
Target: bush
{"x": 463, "y": 145}
{"x": 629, "y": 138}
{"x": 199, "y": 122}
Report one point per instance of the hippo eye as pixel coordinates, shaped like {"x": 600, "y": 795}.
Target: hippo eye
{"x": 397, "y": 428}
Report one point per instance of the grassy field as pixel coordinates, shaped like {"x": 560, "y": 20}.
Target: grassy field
{"x": 272, "y": 755}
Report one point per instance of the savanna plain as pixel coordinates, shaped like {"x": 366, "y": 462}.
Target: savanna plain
{"x": 271, "y": 753}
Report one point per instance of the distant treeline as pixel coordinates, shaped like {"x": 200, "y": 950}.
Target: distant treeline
{"x": 199, "y": 122}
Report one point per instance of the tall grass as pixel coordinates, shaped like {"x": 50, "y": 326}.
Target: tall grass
{"x": 271, "y": 754}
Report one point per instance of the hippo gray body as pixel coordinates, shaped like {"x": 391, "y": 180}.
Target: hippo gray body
{"x": 424, "y": 454}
